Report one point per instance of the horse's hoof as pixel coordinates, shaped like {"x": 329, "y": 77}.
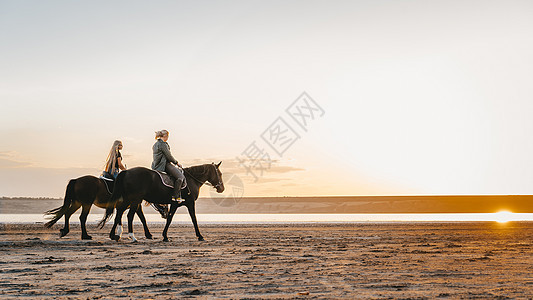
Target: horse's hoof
{"x": 201, "y": 238}
{"x": 114, "y": 237}
{"x": 165, "y": 240}
{"x": 62, "y": 233}
{"x": 149, "y": 237}
{"x": 86, "y": 237}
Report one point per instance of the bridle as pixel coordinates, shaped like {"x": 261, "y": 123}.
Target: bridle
{"x": 206, "y": 182}
{"x": 216, "y": 186}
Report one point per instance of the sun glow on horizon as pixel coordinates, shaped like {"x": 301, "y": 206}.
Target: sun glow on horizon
{"x": 504, "y": 216}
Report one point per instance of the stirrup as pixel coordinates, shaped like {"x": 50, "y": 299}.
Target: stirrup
{"x": 178, "y": 200}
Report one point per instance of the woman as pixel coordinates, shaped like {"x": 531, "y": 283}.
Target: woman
{"x": 163, "y": 161}
{"x": 114, "y": 164}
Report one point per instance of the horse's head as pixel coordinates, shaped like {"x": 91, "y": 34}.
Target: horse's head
{"x": 215, "y": 178}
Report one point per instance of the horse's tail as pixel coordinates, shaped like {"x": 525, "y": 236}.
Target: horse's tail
{"x": 108, "y": 214}
{"x": 117, "y": 194}
{"x": 57, "y": 213}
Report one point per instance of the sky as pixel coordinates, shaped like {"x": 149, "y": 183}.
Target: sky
{"x": 408, "y": 97}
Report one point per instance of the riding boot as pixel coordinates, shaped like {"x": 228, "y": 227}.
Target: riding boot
{"x": 177, "y": 174}
{"x": 177, "y": 190}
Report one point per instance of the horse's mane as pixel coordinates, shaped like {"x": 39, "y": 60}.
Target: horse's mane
{"x": 198, "y": 169}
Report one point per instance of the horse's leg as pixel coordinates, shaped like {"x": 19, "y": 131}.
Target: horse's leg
{"x": 72, "y": 209}
{"x": 83, "y": 220}
{"x": 118, "y": 218}
{"x": 140, "y": 214}
{"x": 119, "y": 228}
{"x": 173, "y": 208}
{"x": 131, "y": 214}
{"x": 192, "y": 213}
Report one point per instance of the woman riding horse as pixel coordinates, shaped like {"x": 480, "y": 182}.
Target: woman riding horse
{"x": 163, "y": 161}
{"x": 113, "y": 163}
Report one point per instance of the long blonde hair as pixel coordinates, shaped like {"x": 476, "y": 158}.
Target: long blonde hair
{"x": 110, "y": 165}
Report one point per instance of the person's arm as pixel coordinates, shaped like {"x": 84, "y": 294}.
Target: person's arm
{"x": 166, "y": 151}
{"x": 120, "y": 165}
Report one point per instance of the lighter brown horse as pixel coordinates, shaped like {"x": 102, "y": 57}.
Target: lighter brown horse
{"x": 84, "y": 192}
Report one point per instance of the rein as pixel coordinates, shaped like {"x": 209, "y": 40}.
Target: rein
{"x": 205, "y": 182}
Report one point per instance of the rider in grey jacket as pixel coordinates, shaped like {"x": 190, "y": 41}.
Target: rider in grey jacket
{"x": 163, "y": 161}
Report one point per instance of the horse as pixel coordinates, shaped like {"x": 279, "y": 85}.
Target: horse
{"x": 136, "y": 184}
{"x": 84, "y": 192}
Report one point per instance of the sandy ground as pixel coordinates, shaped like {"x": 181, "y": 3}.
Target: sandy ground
{"x": 368, "y": 260}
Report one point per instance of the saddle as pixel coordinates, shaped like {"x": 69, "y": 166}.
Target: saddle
{"x": 109, "y": 184}
{"x": 168, "y": 180}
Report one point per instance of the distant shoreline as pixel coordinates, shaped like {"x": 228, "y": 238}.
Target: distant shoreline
{"x": 321, "y": 204}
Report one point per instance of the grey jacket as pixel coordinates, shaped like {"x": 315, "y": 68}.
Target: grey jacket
{"x": 162, "y": 155}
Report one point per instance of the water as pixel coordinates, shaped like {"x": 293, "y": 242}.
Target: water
{"x": 292, "y": 218}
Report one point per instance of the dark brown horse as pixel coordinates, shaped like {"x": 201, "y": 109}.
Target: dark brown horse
{"x": 84, "y": 192}
{"x": 136, "y": 184}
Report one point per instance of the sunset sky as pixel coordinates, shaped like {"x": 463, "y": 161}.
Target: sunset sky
{"x": 416, "y": 97}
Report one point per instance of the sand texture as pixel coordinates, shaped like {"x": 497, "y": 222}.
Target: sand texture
{"x": 300, "y": 261}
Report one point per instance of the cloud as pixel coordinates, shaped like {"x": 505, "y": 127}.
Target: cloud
{"x": 271, "y": 182}
{"x": 9, "y": 164}
{"x": 291, "y": 184}
{"x": 39, "y": 182}
{"x": 12, "y": 159}
{"x": 7, "y": 153}
{"x": 284, "y": 169}
{"x": 264, "y": 180}
{"x": 232, "y": 165}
